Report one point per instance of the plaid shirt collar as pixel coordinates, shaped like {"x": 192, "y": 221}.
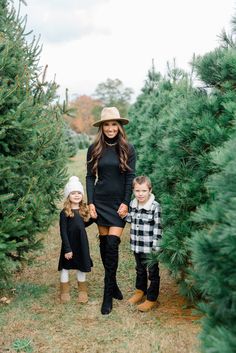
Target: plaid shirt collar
{"x": 146, "y": 206}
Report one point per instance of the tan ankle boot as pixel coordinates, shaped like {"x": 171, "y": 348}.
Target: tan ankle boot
{"x": 64, "y": 292}
{"x": 137, "y": 297}
{"x": 83, "y": 292}
{"x": 146, "y": 306}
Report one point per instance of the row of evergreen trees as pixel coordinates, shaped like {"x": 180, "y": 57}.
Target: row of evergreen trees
{"x": 179, "y": 130}
{"x": 75, "y": 141}
{"x": 32, "y": 143}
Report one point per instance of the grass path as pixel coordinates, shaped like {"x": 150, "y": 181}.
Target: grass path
{"x": 36, "y": 320}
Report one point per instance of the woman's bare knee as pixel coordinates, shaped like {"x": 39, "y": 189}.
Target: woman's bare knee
{"x": 115, "y": 231}
{"x": 103, "y": 230}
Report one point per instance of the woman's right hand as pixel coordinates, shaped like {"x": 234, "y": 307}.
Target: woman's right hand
{"x": 92, "y": 210}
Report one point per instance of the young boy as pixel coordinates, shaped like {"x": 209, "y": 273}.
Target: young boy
{"x": 145, "y": 236}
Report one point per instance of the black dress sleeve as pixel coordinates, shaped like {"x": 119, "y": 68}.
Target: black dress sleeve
{"x": 63, "y": 232}
{"x": 90, "y": 177}
{"x": 130, "y": 174}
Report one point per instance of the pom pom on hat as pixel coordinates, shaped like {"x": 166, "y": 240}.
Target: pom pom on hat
{"x": 73, "y": 185}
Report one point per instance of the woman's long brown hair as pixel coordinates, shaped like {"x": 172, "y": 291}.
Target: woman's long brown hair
{"x": 83, "y": 209}
{"x": 122, "y": 149}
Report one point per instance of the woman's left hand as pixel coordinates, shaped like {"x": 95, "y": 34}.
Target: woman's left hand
{"x": 122, "y": 210}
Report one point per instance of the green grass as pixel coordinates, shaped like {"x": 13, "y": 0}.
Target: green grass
{"x": 22, "y": 345}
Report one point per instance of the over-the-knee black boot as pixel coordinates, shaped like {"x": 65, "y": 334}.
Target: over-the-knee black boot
{"x": 116, "y": 290}
{"x": 111, "y": 264}
{"x": 107, "y": 299}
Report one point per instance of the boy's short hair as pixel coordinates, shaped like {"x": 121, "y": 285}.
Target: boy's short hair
{"x": 141, "y": 180}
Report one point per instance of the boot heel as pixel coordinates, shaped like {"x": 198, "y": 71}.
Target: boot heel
{"x": 117, "y": 294}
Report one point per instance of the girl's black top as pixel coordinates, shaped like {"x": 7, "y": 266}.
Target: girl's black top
{"x": 74, "y": 239}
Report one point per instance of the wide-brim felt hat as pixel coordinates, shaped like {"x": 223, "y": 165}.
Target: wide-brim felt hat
{"x": 110, "y": 113}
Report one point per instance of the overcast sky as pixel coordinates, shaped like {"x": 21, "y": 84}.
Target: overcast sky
{"x": 87, "y": 41}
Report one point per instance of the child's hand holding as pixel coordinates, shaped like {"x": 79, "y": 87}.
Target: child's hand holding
{"x": 68, "y": 255}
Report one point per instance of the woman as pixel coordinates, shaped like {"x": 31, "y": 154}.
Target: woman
{"x": 110, "y": 172}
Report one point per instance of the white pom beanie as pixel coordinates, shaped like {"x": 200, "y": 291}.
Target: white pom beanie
{"x": 73, "y": 185}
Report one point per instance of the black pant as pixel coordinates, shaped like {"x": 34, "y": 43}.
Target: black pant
{"x": 143, "y": 273}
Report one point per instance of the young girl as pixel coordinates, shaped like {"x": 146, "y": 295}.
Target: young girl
{"x": 75, "y": 247}
{"x": 145, "y": 235}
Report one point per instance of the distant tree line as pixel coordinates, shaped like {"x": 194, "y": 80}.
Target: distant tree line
{"x": 87, "y": 109}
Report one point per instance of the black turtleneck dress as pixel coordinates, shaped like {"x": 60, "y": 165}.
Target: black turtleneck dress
{"x": 111, "y": 187}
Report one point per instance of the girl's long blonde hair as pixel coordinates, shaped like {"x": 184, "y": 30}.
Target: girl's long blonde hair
{"x": 122, "y": 149}
{"x": 83, "y": 209}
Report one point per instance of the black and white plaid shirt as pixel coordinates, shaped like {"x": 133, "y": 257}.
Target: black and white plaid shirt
{"x": 145, "y": 231}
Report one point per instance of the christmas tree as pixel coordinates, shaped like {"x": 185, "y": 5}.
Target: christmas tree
{"x": 214, "y": 249}
{"x": 174, "y": 127}
{"x": 32, "y": 153}
{"x": 214, "y": 244}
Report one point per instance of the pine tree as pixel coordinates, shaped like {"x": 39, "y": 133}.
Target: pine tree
{"x": 214, "y": 249}
{"x": 177, "y": 131}
{"x": 159, "y": 154}
{"x": 32, "y": 153}
{"x": 142, "y": 111}
{"x": 214, "y": 245}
